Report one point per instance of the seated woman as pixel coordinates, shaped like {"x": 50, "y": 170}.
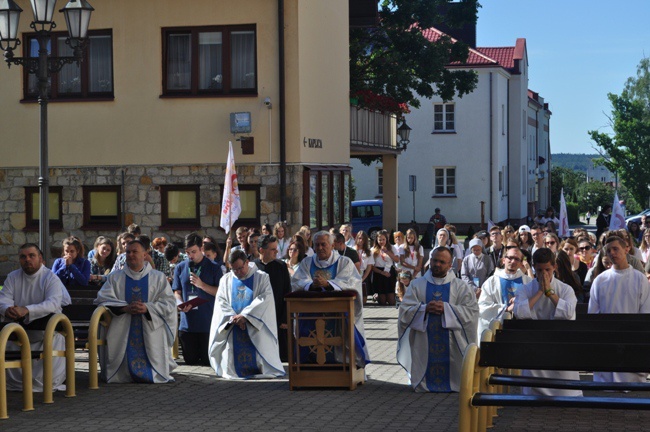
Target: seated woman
{"x": 72, "y": 268}
{"x": 102, "y": 260}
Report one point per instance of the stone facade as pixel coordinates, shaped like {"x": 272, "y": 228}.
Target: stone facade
{"x": 141, "y": 198}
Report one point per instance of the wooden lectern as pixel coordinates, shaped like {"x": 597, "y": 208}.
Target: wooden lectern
{"x": 321, "y": 325}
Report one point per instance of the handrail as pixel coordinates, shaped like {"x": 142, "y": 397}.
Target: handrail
{"x": 49, "y": 353}
{"x": 25, "y": 364}
{"x": 101, "y": 316}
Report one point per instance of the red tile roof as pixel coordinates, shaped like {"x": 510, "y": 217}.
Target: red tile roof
{"x": 487, "y": 56}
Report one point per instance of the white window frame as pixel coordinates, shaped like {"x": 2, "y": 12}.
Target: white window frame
{"x": 380, "y": 181}
{"x": 447, "y": 109}
{"x": 445, "y": 179}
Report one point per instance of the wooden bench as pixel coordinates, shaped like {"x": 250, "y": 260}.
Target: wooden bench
{"x": 575, "y": 348}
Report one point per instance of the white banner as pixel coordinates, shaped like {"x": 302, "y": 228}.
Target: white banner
{"x": 231, "y": 203}
{"x": 563, "y": 230}
{"x": 617, "y": 220}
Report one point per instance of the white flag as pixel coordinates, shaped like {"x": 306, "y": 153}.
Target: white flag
{"x": 231, "y": 203}
{"x": 490, "y": 224}
{"x": 617, "y": 220}
{"x": 563, "y": 231}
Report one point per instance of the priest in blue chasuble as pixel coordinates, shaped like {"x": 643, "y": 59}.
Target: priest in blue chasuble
{"x": 143, "y": 328}
{"x": 437, "y": 321}
{"x": 326, "y": 270}
{"x": 244, "y": 333}
{"x": 498, "y": 292}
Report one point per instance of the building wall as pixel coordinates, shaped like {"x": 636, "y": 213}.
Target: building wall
{"x": 141, "y": 198}
{"x": 317, "y": 81}
{"x": 518, "y": 157}
{"x": 468, "y": 149}
{"x": 140, "y": 130}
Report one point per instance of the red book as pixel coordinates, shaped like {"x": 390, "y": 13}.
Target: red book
{"x": 197, "y": 301}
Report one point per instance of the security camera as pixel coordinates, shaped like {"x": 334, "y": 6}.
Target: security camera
{"x": 267, "y": 102}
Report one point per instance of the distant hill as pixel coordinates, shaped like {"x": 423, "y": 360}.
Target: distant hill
{"x": 577, "y": 162}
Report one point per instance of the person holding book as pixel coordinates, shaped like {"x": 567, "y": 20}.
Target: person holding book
{"x": 195, "y": 286}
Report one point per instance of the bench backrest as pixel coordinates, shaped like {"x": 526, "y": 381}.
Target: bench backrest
{"x": 579, "y": 325}
{"x": 549, "y": 336}
{"x": 607, "y": 357}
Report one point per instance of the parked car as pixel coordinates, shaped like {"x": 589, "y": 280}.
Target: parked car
{"x": 637, "y": 217}
{"x": 367, "y": 215}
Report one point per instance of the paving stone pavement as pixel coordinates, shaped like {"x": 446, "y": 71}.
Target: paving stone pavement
{"x": 198, "y": 401}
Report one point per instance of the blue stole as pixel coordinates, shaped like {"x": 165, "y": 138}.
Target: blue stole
{"x": 307, "y": 327}
{"x": 437, "y": 375}
{"x": 243, "y": 349}
{"x": 509, "y": 287}
{"x": 136, "y": 353}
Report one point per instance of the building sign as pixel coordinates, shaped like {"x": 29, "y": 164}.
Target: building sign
{"x": 312, "y": 142}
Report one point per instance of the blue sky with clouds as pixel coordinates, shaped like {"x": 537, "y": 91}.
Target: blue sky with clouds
{"x": 578, "y": 51}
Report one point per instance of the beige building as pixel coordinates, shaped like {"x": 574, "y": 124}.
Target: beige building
{"x": 139, "y": 132}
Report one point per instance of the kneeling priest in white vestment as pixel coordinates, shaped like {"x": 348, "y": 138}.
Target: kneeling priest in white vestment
{"x": 328, "y": 271}
{"x": 31, "y": 293}
{"x": 437, "y": 321}
{"x": 244, "y": 334}
{"x": 143, "y": 328}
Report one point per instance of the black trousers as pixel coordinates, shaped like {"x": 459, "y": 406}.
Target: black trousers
{"x": 195, "y": 348}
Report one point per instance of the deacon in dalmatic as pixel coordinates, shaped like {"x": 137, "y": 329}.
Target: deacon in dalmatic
{"x": 143, "y": 328}
{"x": 244, "y": 333}
{"x": 437, "y": 321}
{"x": 327, "y": 270}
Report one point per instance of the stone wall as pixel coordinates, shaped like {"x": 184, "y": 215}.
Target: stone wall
{"x": 141, "y": 198}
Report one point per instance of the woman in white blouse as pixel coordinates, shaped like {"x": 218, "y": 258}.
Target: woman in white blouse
{"x": 413, "y": 254}
{"x": 367, "y": 262}
{"x": 385, "y": 259}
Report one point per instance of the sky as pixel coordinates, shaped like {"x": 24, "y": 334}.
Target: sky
{"x": 578, "y": 52}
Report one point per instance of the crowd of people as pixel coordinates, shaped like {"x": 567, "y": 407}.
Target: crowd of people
{"x": 233, "y": 315}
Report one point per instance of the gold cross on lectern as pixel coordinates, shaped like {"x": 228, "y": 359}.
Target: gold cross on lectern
{"x": 320, "y": 341}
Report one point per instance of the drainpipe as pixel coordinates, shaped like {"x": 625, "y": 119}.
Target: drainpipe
{"x": 508, "y": 146}
{"x": 491, "y": 153}
{"x": 283, "y": 149}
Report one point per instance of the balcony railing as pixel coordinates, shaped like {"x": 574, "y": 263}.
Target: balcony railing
{"x": 372, "y": 129}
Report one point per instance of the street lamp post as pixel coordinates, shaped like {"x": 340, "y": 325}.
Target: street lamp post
{"x": 77, "y": 16}
{"x": 403, "y": 133}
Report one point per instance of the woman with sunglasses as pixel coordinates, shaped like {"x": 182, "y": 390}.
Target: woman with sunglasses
{"x": 552, "y": 241}
{"x": 586, "y": 252}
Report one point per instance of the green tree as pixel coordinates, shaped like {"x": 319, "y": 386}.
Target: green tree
{"x": 396, "y": 60}
{"x": 627, "y": 150}
{"x": 569, "y": 180}
{"x": 594, "y": 194}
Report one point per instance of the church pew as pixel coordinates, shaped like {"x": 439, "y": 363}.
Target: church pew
{"x": 605, "y": 336}
{"x": 604, "y": 324}
{"x": 80, "y": 315}
{"x": 477, "y": 388}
